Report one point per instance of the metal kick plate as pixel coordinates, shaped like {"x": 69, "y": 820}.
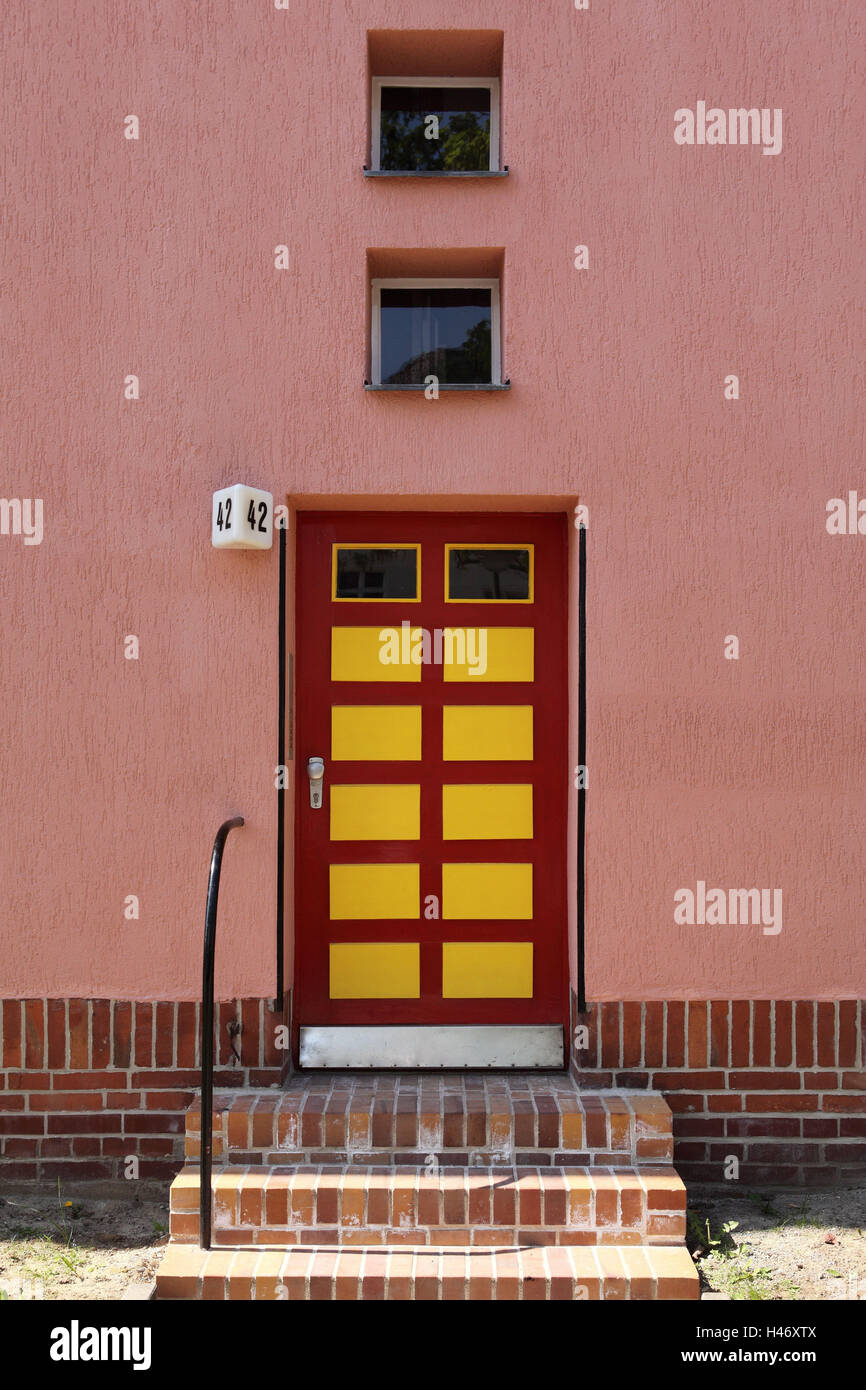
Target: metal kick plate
{"x": 445, "y": 1048}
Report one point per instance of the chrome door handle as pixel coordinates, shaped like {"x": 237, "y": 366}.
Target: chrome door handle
{"x": 316, "y": 774}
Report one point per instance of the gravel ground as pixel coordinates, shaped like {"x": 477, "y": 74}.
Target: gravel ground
{"x": 61, "y": 1246}
{"x": 787, "y": 1244}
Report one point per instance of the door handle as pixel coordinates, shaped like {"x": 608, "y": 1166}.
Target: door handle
{"x": 316, "y": 774}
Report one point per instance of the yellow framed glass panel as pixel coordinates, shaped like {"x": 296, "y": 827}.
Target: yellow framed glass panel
{"x": 486, "y": 892}
{"x": 376, "y": 733}
{"x": 490, "y": 654}
{"x": 487, "y": 970}
{"x": 497, "y": 811}
{"x": 375, "y": 812}
{"x": 487, "y": 733}
{"x": 467, "y": 549}
{"x": 373, "y": 575}
{"x": 375, "y": 970}
{"x": 374, "y": 892}
{"x": 373, "y": 654}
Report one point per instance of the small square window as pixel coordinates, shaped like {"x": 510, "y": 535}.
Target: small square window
{"x": 443, "y": 328}
{"x": 376, "y": 573}
{"x": 443, "y": 125}
{"x": 489, "y": 573}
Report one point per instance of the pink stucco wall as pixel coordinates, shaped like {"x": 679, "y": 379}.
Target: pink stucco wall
{"x": 707, "y": 516}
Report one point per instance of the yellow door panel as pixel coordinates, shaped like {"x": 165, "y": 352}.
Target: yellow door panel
{"x": 493, "y": 812}
{"x": 376, "y": 733}
{"x": 374, "y": 891}
{"x": 363, "y": 654}
{"x": 375, "y": 812}
{"x": 492, "y": 654}
{"x": 484, "y": 892}
{"x": 375, "y": 970}
{"x": 487, "y": 733}
{"x": 487, "y": 970}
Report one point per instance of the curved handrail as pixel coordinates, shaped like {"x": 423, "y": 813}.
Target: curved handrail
{"x": 210, "y": 917}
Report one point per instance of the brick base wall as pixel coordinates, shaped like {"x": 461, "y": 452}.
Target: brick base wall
{"x": 87, "y": 1084}
{"x": 778, "y": 1085}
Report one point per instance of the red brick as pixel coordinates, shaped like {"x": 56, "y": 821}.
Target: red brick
{"x": 66, "y": 1100}
{"x": 719, "y": 1049}
{"x": 100, "y": 1033}
{"x": 153, "y": 1123}
{"x": 741, "y": 1033}
{"x": 688, "y": 1081}
{"x": 11, "y": 1032}
{"x": 249, "y": 1041}
{"x": 783, "y": 1013}
{"x": 83, "y": 1080}
{"x": 56, "y": 1030}
{"x": 631, "y": 1035}
{"x": 675, "y": 1049}
{"x": 144, "y": 1035}
{"x": 79, "y": 1028}
{"x": 87, "y": 1123}
{"x": 761, "y": 1037}
{"x": 164, "y": 1034}
{"x": 697, "y": 1034}
{"x": 826, "y": 1035}
{"x": 854, "y": 1081}
{"x": 766, "y": 1127}
{"x": 765, "y": 1081}
{"x": 803, "y": 1028}
{"x": 610, "y": 1026}
{"x": 122, "y": 1033}
{"x": 34, "y": 1033}
{"x": 187, "y": 1034}
{"x": 852, "y": 1129}
{"x": 845, "y": 1153}
{"x": 848, "y": 1011}
{"x": 22, "y": 1124}
{"x": 21, "y": 1148}
{"x": 11, "y": 1101}
{"x": 654, "y": 1055}
{"x": 820, "y": 1129}
{"x": 790, "y": 1101}
{"x": 845, "y": 1104}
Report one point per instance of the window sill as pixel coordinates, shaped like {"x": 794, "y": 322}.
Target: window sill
{"x": 445, "y": 386}
{"x": 436, "y": 173}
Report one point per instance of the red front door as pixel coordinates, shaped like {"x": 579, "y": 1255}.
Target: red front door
{"x": 431, "y": 681}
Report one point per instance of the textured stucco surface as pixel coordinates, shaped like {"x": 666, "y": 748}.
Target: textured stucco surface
{"x": 707, "y": 517}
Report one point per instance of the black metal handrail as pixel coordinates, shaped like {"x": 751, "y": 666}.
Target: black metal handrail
{"x": 210, "y": 919}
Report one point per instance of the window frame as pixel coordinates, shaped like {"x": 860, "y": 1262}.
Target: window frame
{"x": 376, "y": 118}
{"x": 337, "y": 546}
{"x": 453, "y": 282}
{"x": 489, "y": 545}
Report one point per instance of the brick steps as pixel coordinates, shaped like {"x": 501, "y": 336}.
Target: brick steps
{"x": 366, "y": 1205}
{"x": 571, "y": 1273}
{"x": 433, "y": 1186}
{"x": 398, "y": 1119}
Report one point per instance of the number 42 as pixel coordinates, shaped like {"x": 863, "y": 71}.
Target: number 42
{"x": 251, "y": 516}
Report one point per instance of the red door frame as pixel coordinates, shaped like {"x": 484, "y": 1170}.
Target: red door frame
{"x": 548, "y": 772}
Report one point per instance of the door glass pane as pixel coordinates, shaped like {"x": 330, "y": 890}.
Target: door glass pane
{"x": 435, "y": 128}
{"x": 489, "y": 574}
{"x": 441, "y": 332}
{"x": 385, "y": 573}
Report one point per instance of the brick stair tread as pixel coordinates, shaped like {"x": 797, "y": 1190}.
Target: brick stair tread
{"x": 364, "y": 1204}
{"x": 573, "y": 1273}
{"x": 498, "y": 1117}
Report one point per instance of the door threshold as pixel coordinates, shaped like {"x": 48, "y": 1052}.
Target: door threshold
{"x": 434, "y": 1047}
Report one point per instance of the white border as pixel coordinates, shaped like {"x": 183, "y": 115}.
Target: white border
{"x": 453, "y": 283}
{"x": 376, "y": 109}
{"x": 439, "y": 1045}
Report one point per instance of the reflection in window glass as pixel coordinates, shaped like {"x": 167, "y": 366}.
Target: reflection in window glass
{"x": 444, "y": 129}
{"x": 441, "y": 332}
{"x": 369, "y": 573}
{"x": 489, "y": 574}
